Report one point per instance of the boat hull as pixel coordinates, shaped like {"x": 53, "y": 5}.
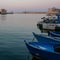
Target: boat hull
{"x": 54, "y": 34}
{"x": 46, "y": 55}
{"x": 48, "y": 26}
{"x": 45, "y": 38}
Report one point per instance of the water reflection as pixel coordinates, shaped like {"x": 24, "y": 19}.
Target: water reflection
{"x": 2, "y": 17}
{"x": 14, "y": 29}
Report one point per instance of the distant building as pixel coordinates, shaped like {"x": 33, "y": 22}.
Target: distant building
{"x": 53, "y": 10}
{"x": 3, "y": 11}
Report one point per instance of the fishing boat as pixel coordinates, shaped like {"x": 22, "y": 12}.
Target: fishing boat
{"x": 45, "y": 38}
{"x": 47, "y": 51}
{"x": 51, "y": 23}
{"x": 54, "y": 34}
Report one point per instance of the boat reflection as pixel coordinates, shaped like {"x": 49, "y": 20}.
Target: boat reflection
{"x": 2, "y": 17}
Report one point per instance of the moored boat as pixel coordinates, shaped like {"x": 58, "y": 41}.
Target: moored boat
{"x": 47, "y": 51}
{"x": 54, "y": 34}
{"x": 45, "y": 38}
{"x": 49, "y": 23}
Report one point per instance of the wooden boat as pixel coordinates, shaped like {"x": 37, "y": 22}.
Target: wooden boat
{"x": 45, "y": 38}
{"x": 52, "y": 24}
{"x": 54, "y": 34}
{"x": 47, "y": 51}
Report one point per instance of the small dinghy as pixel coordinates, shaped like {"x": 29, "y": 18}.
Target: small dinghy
{"x": 47, "y": 51}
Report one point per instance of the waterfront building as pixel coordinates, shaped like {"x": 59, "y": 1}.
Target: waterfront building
{"x": 53, "y": 10}
{"x": 3, "y": 11}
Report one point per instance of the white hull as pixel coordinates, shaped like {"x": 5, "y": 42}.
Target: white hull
{"x": 49, "y": 26}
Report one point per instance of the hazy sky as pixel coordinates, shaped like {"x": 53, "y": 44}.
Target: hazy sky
{"x": 29, "y": 4}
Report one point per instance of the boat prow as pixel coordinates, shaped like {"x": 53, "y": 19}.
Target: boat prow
{"x": 47, "y": 51}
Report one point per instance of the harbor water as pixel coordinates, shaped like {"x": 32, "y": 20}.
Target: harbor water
{"x": 14, "y": 29}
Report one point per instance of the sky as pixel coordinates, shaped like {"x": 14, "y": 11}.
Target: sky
{"x": 29, "y": 5}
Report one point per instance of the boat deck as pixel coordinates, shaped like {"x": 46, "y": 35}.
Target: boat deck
{"x": 45, "y": 46}
{"x": 55, "y": 38}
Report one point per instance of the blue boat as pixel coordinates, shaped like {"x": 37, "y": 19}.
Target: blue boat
{"x": 46, "y": 38}
{"x": 54, "y": 34}
{"x": 47, "y": 51}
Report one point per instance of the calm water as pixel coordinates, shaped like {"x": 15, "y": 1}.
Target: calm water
{"x": 14, "y": 29}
